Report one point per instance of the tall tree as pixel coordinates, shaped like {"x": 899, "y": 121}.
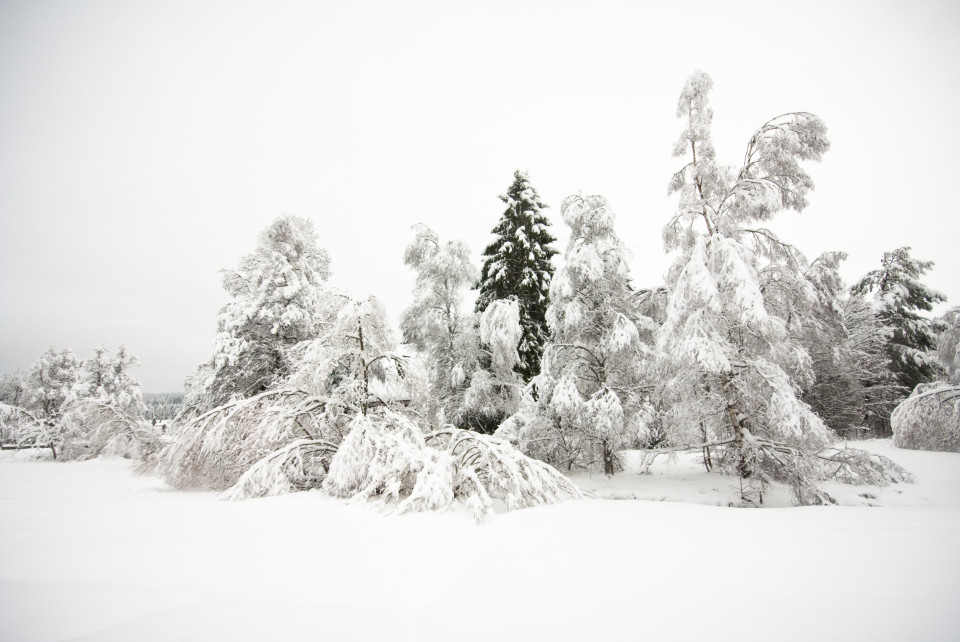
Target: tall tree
{"x": 435, "y": 323}
{"x": 732, "y": 367}
{"x": 900, "y": 297}
{"x": 277, "y": 302}
{"x": 108, "y": 380}
{"x": 53, "y": 384}
{"x": 590, "y": 403}
{"x": 517, "y": 265}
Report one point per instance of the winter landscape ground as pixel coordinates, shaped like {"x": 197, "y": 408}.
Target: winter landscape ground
{"x": 89, "y": 551}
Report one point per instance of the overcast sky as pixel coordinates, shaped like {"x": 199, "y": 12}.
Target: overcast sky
{"x": 144, "y": 144}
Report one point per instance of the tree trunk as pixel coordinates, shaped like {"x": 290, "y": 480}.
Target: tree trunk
{"x": 608, "y": 467}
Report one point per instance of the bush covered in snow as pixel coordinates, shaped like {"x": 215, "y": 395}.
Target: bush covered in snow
{"x": 387, "y": 459}
{"x": 78, "y": 409}
{"x": 929, "y": 419}
{"x": 91, "y": 427}
{"x": 215, "y": 449}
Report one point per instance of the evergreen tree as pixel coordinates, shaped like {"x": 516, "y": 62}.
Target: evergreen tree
{"x": 899, "y": 297}
{"x": 517, "y": 265}
{"x": 277, "y": 303}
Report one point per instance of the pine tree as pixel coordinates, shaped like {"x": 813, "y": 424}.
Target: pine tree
{"x": 277, "y": 303}
{"x": 899, "y": 296}
{"x": 517, "y": 265}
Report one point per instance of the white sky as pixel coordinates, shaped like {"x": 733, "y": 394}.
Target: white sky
{"x": 144, "y": 145}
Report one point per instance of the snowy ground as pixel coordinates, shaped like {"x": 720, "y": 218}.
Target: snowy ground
{"x": 90, "y": 552}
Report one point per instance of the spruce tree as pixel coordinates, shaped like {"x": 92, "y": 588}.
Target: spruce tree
{"x": 900, "y": 297}
{"x": 517, "y": 265}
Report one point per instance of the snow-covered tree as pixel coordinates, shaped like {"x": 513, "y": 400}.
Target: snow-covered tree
{"x": 13, "y": 388}
{"x": 214, "y": 449}
{"x": 282, "y": 438}
{"x": 734, "y": 370}
{"x": 517, "y": 265}
{"x": 52, "y": 383}
{"x": 929, "y": 419}
{"x": 899, "y": 297}
{"x": 388, "y": 460}
{"x": 340, "y": 423}
{"x": 355, "y": 364}
{"x": 435, "y": 324}
{"x": 79, "y": 410}
{"x": 494, "y": 392}
{"x": 851, "y": 387}
{"x": 590, "y": 402}
{"x": 276, "y": 303}
{"x": 92, "y": 426}
{"x": 107, "y": 415}
{"x": 162, "y": 406}
{"x": 20, "y": 428}
{"x": 108, "y": 379}
{"x": 856, "y": 388}
{"x": 948, "y": 345}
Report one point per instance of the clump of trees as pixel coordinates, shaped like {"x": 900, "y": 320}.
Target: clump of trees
{"x": 929, "y": 419}
{"x": 749, "y": 354}
{"x": 727, "y": 367}
{"x": 78, "y": 409}
{"x": 349, "y": 413}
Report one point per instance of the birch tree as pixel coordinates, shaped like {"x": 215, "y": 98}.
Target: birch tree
{"x": 590, "y": 402}
{"x": 436, "y": 324}
{"x": 729, "y": 359}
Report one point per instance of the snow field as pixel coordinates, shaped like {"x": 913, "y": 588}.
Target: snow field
{"x": 90, "y": 552}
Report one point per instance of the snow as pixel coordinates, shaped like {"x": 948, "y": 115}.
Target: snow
{"x": 88, "y": 551}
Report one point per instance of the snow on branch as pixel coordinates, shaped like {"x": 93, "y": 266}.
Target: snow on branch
{"x": 860, "y": 467}
{"x": 500, "y": 330}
